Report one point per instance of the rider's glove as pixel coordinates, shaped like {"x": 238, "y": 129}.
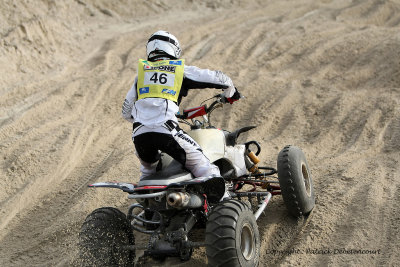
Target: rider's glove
{"x": 236, "y": 96}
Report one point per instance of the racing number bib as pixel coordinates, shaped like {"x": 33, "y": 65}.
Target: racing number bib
{"x": 163, "y": 79}
{"x": 160, "y": 79}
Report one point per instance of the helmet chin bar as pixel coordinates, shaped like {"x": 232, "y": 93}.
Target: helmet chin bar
{"x": 159, "y": 55}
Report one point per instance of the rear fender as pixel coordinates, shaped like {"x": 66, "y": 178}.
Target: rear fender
{"x": 126, "y": 187}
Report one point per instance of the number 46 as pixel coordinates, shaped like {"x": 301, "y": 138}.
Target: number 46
{"x": 162, "y": 78}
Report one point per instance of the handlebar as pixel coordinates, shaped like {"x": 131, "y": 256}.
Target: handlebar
{"x": 202, "y": 110}
{"x": 205, "y": 111}
{"x": 220, "y": 99}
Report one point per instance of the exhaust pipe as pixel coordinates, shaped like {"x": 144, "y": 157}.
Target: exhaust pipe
{"x": 184, "y": 200}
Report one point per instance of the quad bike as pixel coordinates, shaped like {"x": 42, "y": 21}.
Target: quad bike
{"x": 171, "y": 203}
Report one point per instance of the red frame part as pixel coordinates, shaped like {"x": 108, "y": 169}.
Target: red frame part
{"x": 151, "y": 187}
{"x": 195, "y": 112}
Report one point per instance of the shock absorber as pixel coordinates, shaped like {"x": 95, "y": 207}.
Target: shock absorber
{"x": 251, "y": 161}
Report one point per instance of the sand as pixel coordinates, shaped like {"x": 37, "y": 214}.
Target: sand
{"x": 322, "y": 75}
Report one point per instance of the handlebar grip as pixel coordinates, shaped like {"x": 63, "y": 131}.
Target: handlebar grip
{"x": 181, "y": 116}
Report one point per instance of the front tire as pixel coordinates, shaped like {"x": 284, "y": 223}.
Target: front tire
{"x": 232, "y": 237}
{"x": 102, "y": 237}
{"x": 295, "y": 181}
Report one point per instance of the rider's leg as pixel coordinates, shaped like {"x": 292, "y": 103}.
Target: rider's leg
{"x": 147, "y": 169}
{"x": 179, "y": 146}
{"x": 147, "y": 152}
{"x": 182, "y": 145}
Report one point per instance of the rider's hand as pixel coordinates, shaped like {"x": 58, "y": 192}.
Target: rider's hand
{"x": 223, "y": 99}
{"x": 236, "y": 96}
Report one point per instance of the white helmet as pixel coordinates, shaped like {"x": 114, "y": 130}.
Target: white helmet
{"x": 162, "y": 43}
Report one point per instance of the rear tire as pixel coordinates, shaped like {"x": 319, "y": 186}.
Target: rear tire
{"x": 295, "y": 180}
{"x": 102, "y": 237}
{"x": 232, "y": 237}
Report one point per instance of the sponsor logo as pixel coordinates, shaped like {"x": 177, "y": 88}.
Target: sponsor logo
{"x": 187, "y": 139}
{"x": 168, "y": 91}
{"x": 144, "y": 90}
{"x": 175, "y": 62}
{"x": 166, "y": 68}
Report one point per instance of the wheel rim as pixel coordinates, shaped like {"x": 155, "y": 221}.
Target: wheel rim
{"x": 306, "y": 179}
{"x": 247, "y": 243}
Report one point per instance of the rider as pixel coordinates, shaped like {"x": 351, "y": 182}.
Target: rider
{"x": 152, "y": 102}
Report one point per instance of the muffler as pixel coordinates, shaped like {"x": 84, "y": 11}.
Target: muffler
{"x": 184, "y": 200}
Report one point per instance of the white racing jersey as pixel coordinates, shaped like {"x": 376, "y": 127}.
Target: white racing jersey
{"x": 152, "y": 113}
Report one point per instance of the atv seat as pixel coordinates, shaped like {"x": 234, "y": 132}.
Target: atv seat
{"x": 173, "y": 173}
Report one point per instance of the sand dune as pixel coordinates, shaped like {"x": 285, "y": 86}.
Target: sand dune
{"x": 323, "y": 75}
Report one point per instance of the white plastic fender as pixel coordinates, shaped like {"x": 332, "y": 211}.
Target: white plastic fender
{"x": 211, "y": 141}
{"x": 236, "y": 156}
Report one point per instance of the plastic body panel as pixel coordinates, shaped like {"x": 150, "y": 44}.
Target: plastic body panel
{"x": 211, "y": 141}
{"x": 236, "y": 155}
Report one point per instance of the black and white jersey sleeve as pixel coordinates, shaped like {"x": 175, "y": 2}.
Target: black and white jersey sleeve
{"x": 197, "y": 78}
{"x": 129, "y": 102}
